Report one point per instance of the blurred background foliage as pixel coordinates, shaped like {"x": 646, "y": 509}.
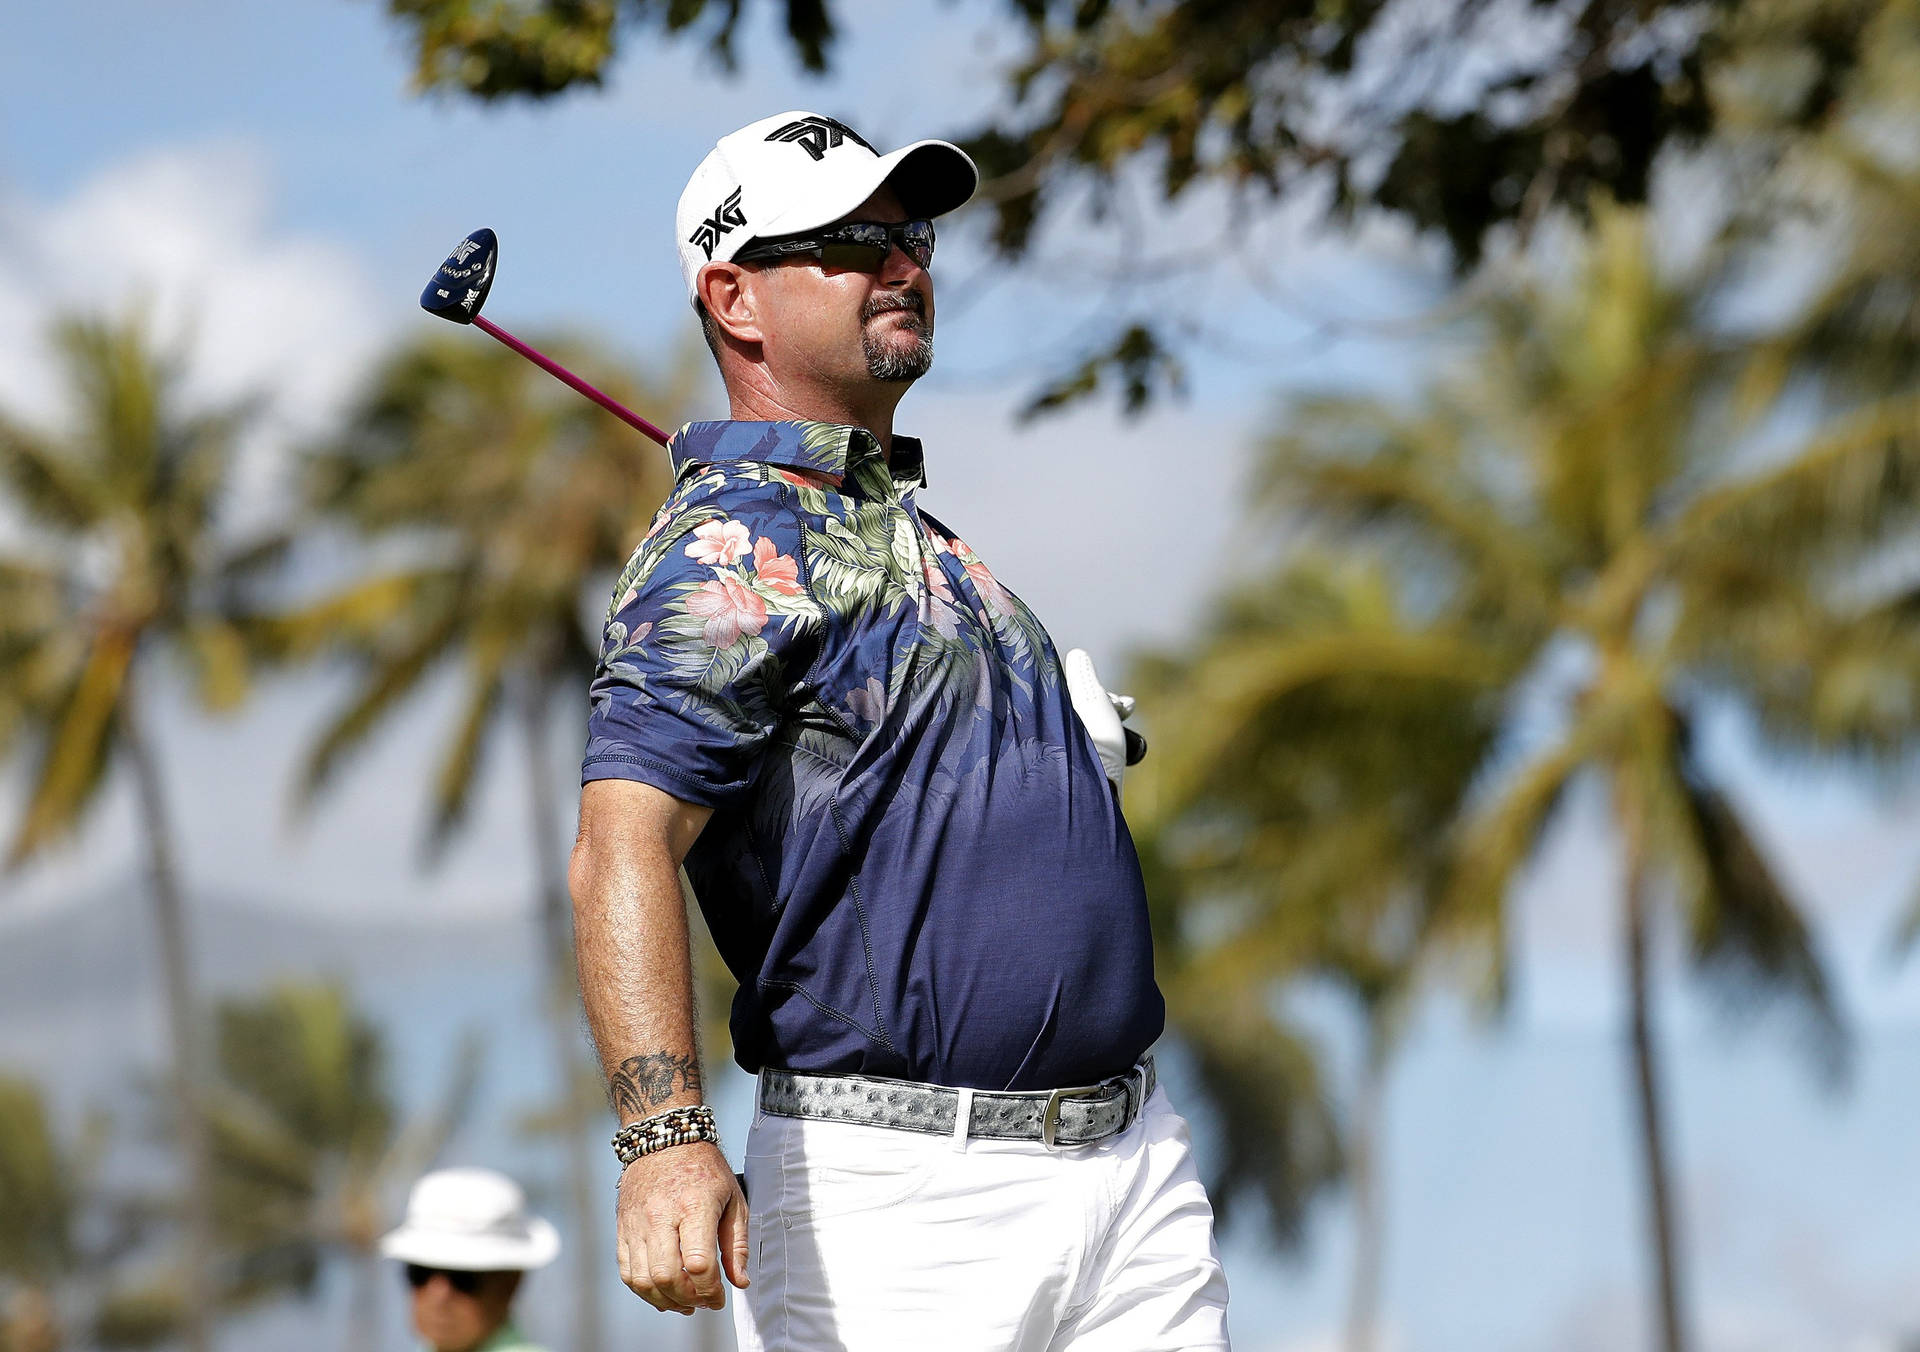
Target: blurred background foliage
{"x": 1625, "y": 495}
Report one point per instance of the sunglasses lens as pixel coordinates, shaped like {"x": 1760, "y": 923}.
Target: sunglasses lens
{"x": 466, "y": 1283}
{"x": 843, "y": 257}
{"x": 917, "y": 240}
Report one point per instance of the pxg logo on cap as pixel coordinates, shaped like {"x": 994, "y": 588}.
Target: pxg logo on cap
{"x": 818, "y": 135}
{"x": 799, "y": 171}
{"x": 725, "y": 217}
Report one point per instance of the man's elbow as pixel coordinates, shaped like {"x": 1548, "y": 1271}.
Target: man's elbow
{"x": 579, "y": 878}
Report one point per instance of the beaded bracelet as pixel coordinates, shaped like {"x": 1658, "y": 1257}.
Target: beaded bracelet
{"x": 676, "y": 1126}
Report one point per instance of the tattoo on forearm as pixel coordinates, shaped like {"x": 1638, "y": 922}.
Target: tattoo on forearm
{"x": 643, "y": 1082}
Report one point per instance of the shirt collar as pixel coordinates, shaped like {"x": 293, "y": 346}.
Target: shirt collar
{"x": 824, "y": 448}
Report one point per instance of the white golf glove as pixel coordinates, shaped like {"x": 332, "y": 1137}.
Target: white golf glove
{"x": 1102, "y": 714}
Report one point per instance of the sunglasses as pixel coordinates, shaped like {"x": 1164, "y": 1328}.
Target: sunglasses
{"x": 856, "y": 246}
{"x": 466, "y": 1283}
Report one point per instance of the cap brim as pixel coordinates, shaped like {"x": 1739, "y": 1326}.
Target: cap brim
{"x": 475, "y": 1253}
{"x": 930, "y": 178}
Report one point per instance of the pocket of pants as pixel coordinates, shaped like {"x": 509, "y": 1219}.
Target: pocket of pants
{"x": 839, "y": 1169}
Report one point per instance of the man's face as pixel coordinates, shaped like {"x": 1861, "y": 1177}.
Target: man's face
{"x": 841, "y": 326}
{"x": 451, "y": 1320}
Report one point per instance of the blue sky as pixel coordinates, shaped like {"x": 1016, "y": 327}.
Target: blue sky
{"x": 260, "y": 172}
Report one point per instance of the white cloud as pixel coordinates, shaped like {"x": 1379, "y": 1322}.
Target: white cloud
{"x": 189, "y": 233}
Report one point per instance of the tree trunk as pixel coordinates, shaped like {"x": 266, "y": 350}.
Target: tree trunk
{"x": 1369, "y": 1211}
{"x": 1653, "y": 1144}
{"x": 183, "y": 1025}
{"x": 578, "y": 1109}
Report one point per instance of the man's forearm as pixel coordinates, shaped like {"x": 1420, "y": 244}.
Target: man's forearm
{"x": 630, "y": 941}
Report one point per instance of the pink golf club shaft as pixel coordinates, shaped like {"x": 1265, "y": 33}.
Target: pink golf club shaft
{"x": 559, "y": 372}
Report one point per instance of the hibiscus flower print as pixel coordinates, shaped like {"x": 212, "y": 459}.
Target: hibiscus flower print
{"x": 730, "y": 609}
{"x": 998, "y": 600}
{"x": 719, "y": 544}
{"x": 936, "y": 579}
{"x": 869, "y": 702}
{"x": 776, "y": 571}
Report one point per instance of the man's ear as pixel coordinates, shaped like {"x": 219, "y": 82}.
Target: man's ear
{"x": 726, "y": 290}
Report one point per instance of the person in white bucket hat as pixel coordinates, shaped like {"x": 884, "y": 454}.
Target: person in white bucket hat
{"x": 466, "y": 1241}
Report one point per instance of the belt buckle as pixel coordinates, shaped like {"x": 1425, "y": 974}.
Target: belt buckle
{"x": 1050, "y": 1115}
{"x": 1139, "y": 1085}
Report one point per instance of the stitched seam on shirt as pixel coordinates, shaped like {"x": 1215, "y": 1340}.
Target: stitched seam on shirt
{"x": 753, "y": 850}
{"x": 826, "y": 1009}
{"x": 664, "y": 767}
{"x": 860, "y": 914}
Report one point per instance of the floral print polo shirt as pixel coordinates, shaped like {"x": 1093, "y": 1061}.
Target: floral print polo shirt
{"x": 915, "y": 865}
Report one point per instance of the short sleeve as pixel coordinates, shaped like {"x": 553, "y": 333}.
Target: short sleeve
{"x": 710, "y": 624}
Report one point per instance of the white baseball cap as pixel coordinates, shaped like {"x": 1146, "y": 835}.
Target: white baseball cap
{"x": 471, "y": 1220}
{"x": 799, "y": 171}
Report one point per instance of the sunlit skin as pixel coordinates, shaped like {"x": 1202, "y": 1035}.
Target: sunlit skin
{"x": 795, "y": 342}
{"x": 448, "y": 1321}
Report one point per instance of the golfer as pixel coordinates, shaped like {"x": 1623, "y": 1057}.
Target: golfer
{"x": 466, "y": 1242}
{"x": 899, "y": 810}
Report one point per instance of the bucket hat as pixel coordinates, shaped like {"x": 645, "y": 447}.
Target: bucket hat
{"x": 471, "y": 1220}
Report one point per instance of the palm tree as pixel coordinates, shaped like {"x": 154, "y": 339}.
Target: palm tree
{"x": 514, "y": 497}
{"x": 1302, "y": 819}
{"x": 307, "y": 1143}
{"x": 124, "y": 563}
{"x": 38, "y": 1213}
{"x": 1579, "y": 517}
{"x": 75, "y": 1257}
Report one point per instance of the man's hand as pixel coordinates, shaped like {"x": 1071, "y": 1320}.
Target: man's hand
{"x": 1103, "y": 714}
{"x": 682, "y": 1221}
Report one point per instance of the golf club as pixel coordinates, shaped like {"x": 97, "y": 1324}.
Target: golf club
{"x": 460, "y": 288}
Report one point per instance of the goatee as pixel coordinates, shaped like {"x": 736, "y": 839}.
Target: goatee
{"x": 887, "y": 358}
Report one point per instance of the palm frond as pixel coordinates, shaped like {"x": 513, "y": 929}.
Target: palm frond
{"x": 1406, "y": 475}
{"x": 54, "y": 491}
{"x": 1847, "y": 485}
{"x": 37, "y": 1192}
{"x": 76, "y": 752}
{"x": 1232, "y": 684}
{"x": 460, "y": 764}
{"x": 1499, "y": 838}
{"x": 220, "y": 658}
{"x": 391, "y": 678}
{"x": 1746, "y": 934}
{"x": 360, "y": 615}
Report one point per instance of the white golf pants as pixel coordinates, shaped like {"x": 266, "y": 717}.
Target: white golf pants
{"x": 874, "y": 1239}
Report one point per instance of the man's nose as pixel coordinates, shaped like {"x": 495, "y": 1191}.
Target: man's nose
{"x": 900, "y": 268}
